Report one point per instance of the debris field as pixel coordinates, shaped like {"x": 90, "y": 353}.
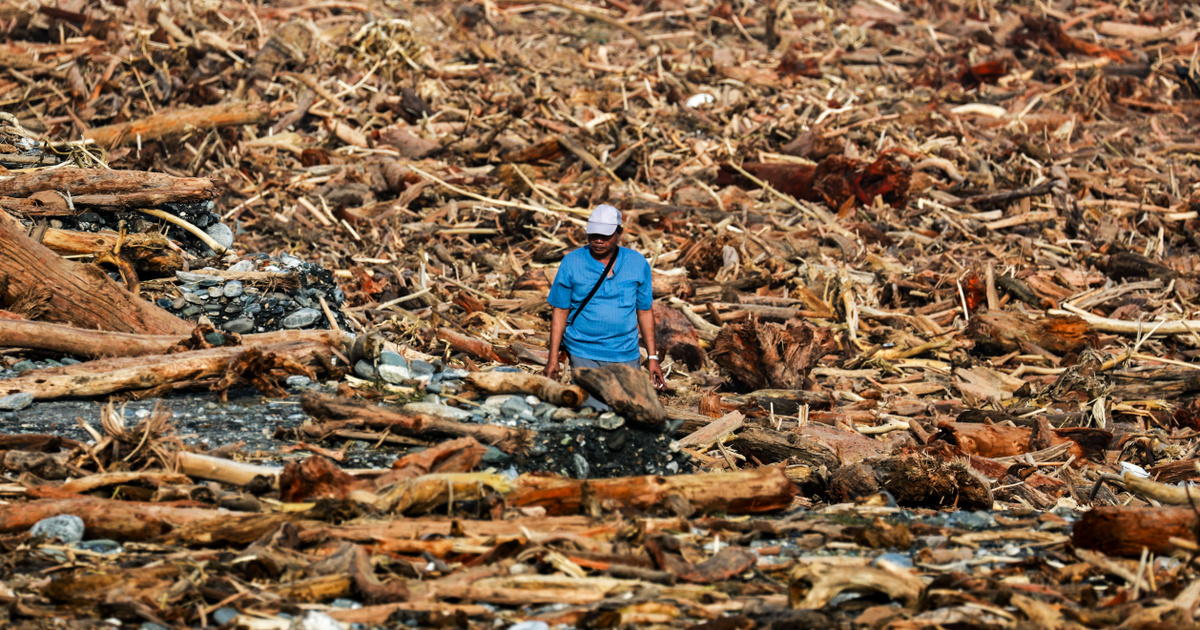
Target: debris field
{"x": 273, "y": 314}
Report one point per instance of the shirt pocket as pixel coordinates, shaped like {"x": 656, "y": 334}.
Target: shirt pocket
{"x": 626, "y": 293}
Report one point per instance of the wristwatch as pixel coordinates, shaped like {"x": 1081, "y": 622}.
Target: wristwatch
{"x": 653, "y": 357}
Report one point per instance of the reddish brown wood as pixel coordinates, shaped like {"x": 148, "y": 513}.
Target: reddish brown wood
{"x": 176, "y": 122}
{"x": 103, "y": 182}
{"x": 1004, "y": 331}
{"x": 1125, "y": 531}
{"x": 80, "y": 295}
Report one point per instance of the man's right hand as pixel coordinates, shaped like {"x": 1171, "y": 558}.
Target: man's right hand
{"x": 551, "y": 370}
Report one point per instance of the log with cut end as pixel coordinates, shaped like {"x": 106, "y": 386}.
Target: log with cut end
{"x": 765, "y": 489}
{"x": 476, "y": 348}
{"x": 770, "y": 446}
{"x": 1126, "y": 531}
{"x": 176, "y": 122}
{"x": 548, "y": 390}
{"x": 80, "y": 295}
{"x": 627, "y": 390}
{"x": 342, "y": 413}
{"x": 96, "y": 181}
{"x": 1003, "y": 331}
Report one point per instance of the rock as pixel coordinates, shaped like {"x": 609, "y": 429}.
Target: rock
{"x": 221, "y": 234}
{"x": 494, "y": 457}
{"x": 65, "y": 528}
{"x": 365, "y": 370}
{"x": 24, "y": 366}
{"x": 224, "y": 615}
{"x": 215, "y": 292}
{"x": 419, "y": 368}
{"x": 453, "y": 374}
{"x": 240, "y": 325}
{"x": 394, "y": 374}
{"x": 298, "y": 381}
{"x": 102, "y": 546}
{"x": 301, "y": 318}
{"x": 316, "y": 620}
{"x": 562, "y": 414}
{"x": 242, "y": 266}
{"x": 442, "y": 411}
{"x": 215, "y": 338}
{"x": 70, "y": 361}
{"x": 610, "y": 421}
{"x": 16, "y": 402}
{"x": 387, "y": 357}
{"x": 530, "y": 625}
{"x": 433, "y": 388}
{"x": 232, "y": 289}
{"x": 582, "y": 468}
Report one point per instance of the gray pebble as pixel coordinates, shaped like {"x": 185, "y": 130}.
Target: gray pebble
{"x": 582, "y": 468}
{"x": 240, "y": 326}
{"x": 101, "y": 546}
{"x": 298, "y": 381}
{"x": 420, "y": 367}
{"x": 224, "y": 615}
{"x": 221, "y": 234}
{"x": 610, "y": 421}
{"x": 70, "y": 361}
{"x": 301, "y": 318}
{"x": 66, "y": 528}
{"x": 197, "y": 278}
{"x": 441, "y": 411}
{"x": 394, "y": 374}
{"x": 24, "y": 366}
{"x": 232, "y": 289}
{"x": 388, "y": 357}
{"x": 215, "y": 338}
{"x": 433, "y": 388}
{"x": 215, "y": 292}
{"x": 192, "y": 311}
{"x": 16, "y": 402}
{"x": 530, "y": 625}
{"x": 242, "y": 266}
{"x": 365, "y": 370}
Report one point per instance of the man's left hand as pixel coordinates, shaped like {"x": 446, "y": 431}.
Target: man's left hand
{"x": 656, "y": 375}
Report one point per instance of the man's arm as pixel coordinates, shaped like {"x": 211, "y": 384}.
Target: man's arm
{"x": 645, "y": 321}
{"x": 558, "y": 325}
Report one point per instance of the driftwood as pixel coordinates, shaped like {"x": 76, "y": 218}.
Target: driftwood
{"x": 761, "y": 356}
{"x": 764, "y": 489}
{"x": 524, "y": 383}
{"x": 477, "y": 349}
{"x": 150, "y": 254}
{"x": 80, "y": 342}
{"x": 80, "y": 295}
{"x": 176, "y": 122}
{"x": 627, "y": 390}
{"x": 914, "y": 481}
{"x": 1004, "y": 331}
{"x": 774, "y": 446}
{"x": 79, "y": 182}
{"x": 105, "y": 376}
{"x": 1126, "y": 531}
{"x": 342, "y": 413}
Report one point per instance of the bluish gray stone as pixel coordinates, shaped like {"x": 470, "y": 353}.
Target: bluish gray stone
{"x": 197, "y": 278}
{"x": 582, "y": 468}
{"x": 192, "y": 311}
{"x": 164, "y": 302}
{"x": 224, "y": 615}
{"x": 433, "y": 388}
{"x": 494, "y": 456}
{"x": 419, "y": 367}
{"x": 215, "y": 338}
{"x": 343, "y": 602}
{"x": 393, "y": 373}
{"x": 298, "y": 381}
{"x": 365, "y": 370}
{"x": 24, "y": 366}
{"x": 317, "y": 620}
{"x": 53, "y": 363}
{"x": 16, "y": 402}
{"x": 301, "y": 318}
{"x": 70, "y": 361}
{"x": 290, "y": 261}
{"x": 388, "y": 357}
{"x": 242, "y": 266}
{"x": 516, "y": 406}
{"x": 530, "y": 625}
{"x": 215, "y": 292}
{"x": 150, "y": 625}
{"x": 898, "y": 559}
{"x": 453, "y": 374}
{"x": 442, "y": 411}
{"x": 240, "y": 326}
{"x": 232, "y": 289}
{"x": 221, "y": 234}
{"x": 101, "y": 546}
{"x": 65, "y": 528}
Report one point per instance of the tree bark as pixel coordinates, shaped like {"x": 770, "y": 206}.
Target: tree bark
{"x": 776, "y": 446}
{"x": 80, "y": 295}
{"x": 627, "y": 390}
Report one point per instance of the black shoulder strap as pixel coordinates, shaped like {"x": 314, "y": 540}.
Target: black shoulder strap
{"x": 595, "y": 288}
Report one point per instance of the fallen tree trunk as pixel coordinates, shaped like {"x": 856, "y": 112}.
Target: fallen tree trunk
{"x": 764, "y": 489}
{"x": 1004, "y": 331}
{"x": 176, "y": 122}
{"x": 80, "y": 342}
{"x": 770, "y": 447}
{"x": 1126, "y": 531}
{"x": 477, "y": 349}
{"x": 342, "y": 413}
{"x": 80, "y": 295}
{"x": 104, "y": 518}
{"x": 106, "y": 376}
{"x": 523, "y": 383}
{"x": 627, "y": 390}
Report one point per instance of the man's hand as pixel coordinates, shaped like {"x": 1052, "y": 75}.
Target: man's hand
{"x": 551, "y": 370}
{"x": 656, "y": 375}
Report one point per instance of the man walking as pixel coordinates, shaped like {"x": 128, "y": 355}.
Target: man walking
{"x": 601, "y": 298}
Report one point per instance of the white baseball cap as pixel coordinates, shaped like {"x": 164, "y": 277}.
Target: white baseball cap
{"x": 605, "y": 220}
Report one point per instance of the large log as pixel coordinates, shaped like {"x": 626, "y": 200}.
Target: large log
{"x": 81, "y": 342}
{"x": 1003, "y": 331}
{"x": 106, "y": 376}
{"x": 95, "y": 181}
{"x": 1126, "y": 531}
{"x": 987, "y": 440}
{"x": 176, "y": 122}
{"x": 760, "y": 356}
{"x": 676, "y": 337}
{"x": 150, "y": 254}
{"x": 80, "y": 295}
{"x": 347, "y": 413}
{"x": 770, "y": 447}
{"x": 548, "y": 390}
{"x": 627, "y": 390}
{"x": 765, "y": 489}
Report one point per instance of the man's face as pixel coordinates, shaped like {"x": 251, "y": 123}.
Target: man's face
{"x": 601, "y": 245}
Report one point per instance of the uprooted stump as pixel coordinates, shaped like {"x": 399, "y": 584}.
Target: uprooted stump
{"x": 914, "y": 481}
{"x": 771, "y": 356}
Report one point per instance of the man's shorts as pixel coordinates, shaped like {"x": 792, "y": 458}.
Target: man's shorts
{"x": 580, "y": 362}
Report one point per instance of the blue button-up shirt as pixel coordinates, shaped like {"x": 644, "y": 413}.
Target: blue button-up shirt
{"x": 606, "y": 329}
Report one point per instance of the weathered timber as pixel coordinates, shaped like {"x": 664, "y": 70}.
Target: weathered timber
{"x": 765, "y": 489}
{"x": 774, "y": 446}
{"x": 548, "y": 390}
{"x": 176, "y": 122}
{"x": 1126, "y": 531}
{"x": 1005, "y": 331}
{"x": 345, "y": 413}
{"x": 103, "y": 182}
{"x": 915, "y": 481}
{"x": 80, "y": 295}
{"x": 625, "y": 389}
